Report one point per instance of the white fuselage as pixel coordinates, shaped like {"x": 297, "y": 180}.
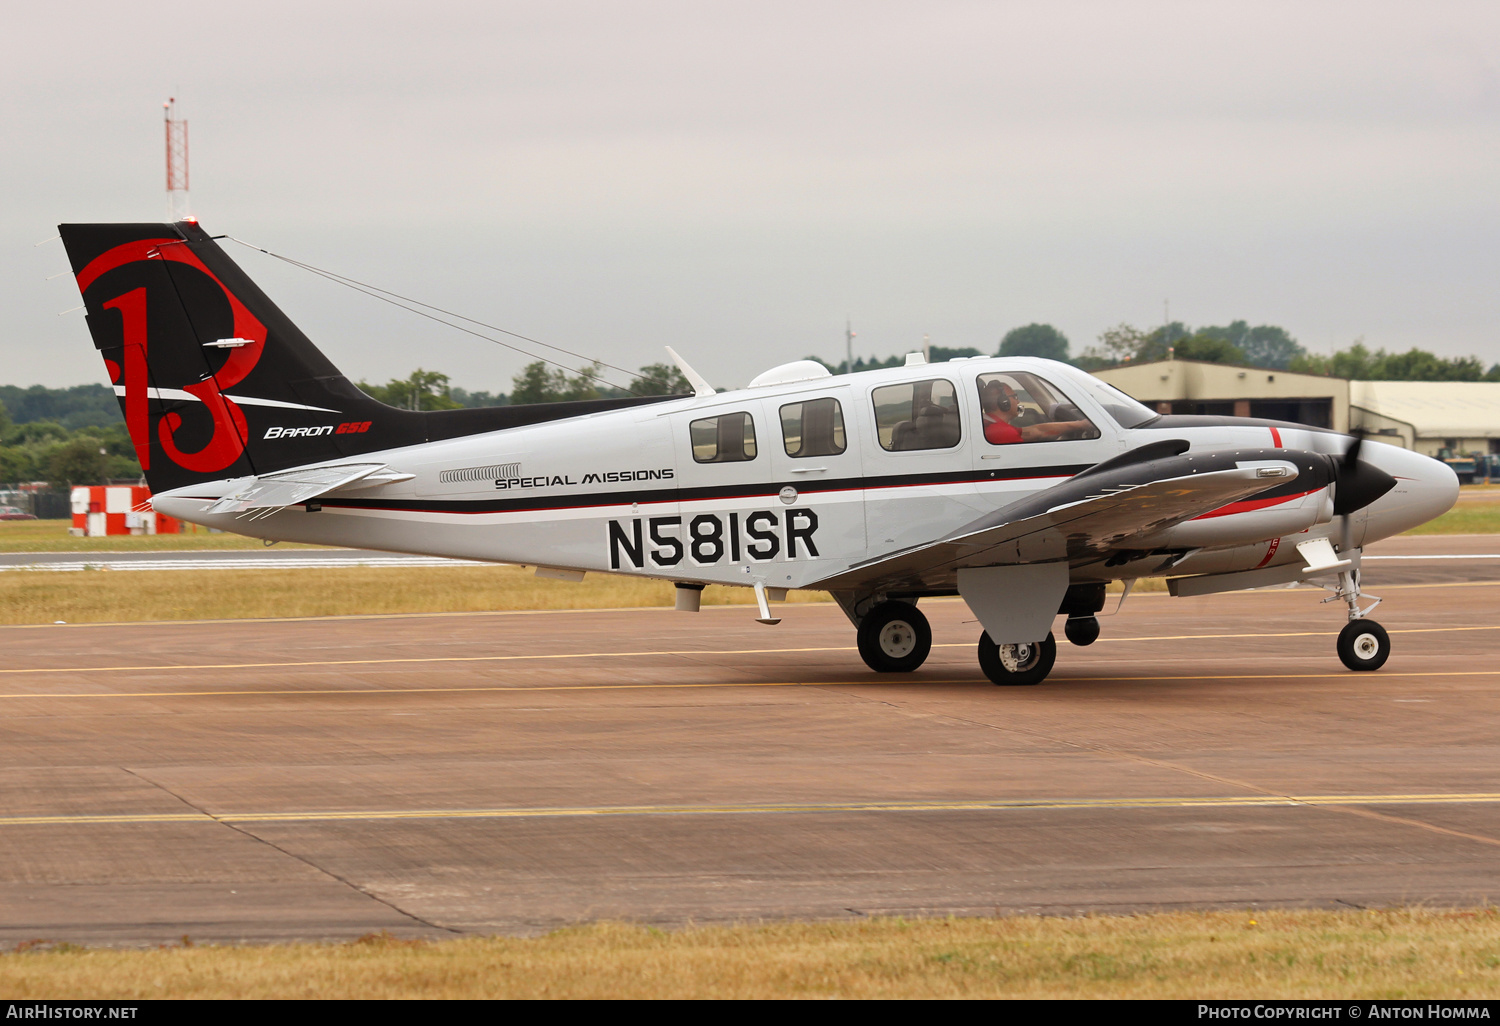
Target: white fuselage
{"x": 622, "y": 491}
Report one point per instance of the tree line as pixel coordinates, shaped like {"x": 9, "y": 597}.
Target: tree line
{"x": 535, "y": 383}
{"x": 77, "y": 435}
{"x": 1264, "y": 345}
{"x": 48, "y": 450}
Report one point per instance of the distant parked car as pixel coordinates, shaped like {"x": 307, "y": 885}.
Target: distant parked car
{"x": 12, "y": 513}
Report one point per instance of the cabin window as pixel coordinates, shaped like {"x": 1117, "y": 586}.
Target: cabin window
{"x": 917, "y": 415}
{"x": 1021, "y": 407}
{"x": 728, "y": 438}
{"x": 813, "y": 428}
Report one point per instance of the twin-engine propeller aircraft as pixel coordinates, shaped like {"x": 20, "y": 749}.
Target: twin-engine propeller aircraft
{"x": 1023, "y": 485}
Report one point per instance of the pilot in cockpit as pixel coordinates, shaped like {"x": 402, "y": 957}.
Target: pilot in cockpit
{"x": 1005, "y": 423}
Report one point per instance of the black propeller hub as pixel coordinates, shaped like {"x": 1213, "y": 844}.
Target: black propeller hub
{"x": 1357, "y": 483}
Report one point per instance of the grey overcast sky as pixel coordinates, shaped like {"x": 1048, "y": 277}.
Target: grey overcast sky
{"x": 734, "y": 179}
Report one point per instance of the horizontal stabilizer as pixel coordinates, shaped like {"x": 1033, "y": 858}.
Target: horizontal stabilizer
{"x": 272, "y": 492}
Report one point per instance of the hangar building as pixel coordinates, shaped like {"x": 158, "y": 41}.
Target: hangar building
{"x": 1422, "y": 415}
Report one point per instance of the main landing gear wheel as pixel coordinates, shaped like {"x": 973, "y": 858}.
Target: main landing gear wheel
{"x": 894, "y": 638}
{"x": 1017, "y": 664}
{"x": 1364, "y": 645}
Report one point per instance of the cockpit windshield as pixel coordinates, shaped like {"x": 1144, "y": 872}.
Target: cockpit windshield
{"x": 1126, "y": 411}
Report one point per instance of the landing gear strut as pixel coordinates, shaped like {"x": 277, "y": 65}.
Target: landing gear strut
{"x": 894, "y": 637}
{"x": 1022, "y": 664}
{"x": 1363, "y": 644}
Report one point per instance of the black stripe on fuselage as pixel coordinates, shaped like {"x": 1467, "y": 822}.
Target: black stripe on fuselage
{"x": 766, "y": 491}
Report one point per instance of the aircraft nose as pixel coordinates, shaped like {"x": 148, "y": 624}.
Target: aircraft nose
{"x": 1425, "y": 488}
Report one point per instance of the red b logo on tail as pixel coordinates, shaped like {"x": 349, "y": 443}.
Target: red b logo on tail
{"x": 228, "y": 439}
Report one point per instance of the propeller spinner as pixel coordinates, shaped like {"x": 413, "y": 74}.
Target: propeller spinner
{"x": 1357, "y": 483}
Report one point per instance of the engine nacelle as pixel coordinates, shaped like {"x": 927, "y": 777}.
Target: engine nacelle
{"x": 1243, "y": 523}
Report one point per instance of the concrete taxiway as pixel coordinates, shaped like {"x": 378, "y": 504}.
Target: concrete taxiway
{"x": 509, "y": 772}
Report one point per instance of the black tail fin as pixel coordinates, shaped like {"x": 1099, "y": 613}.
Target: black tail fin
{"x": 216, "y": 382}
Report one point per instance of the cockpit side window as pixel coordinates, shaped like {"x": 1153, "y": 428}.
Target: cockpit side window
{"x": 813, "y": 428}
{"x": 727, "y": 438}
{"x": 1020, "y": 407}
{"x": 917, "y": 415}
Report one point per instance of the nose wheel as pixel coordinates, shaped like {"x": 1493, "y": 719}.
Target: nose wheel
{"x": 1011, "y": 665}
{"x": 894, "y": 637}
{"x": 1363, "y": 644}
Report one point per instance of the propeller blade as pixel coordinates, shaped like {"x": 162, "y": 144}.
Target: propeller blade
{"x": 1351, "y": 454}
{"x": 1357, "y": 483}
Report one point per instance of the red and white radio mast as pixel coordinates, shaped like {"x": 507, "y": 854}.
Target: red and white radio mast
{"x": 177, "y": 163}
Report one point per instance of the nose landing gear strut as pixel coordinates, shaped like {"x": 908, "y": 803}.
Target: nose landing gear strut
{"x": 1363, "y": 644}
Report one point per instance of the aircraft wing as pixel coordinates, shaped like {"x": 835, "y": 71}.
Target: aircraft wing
{"x": 1082, "y": 518}
{"x": 266, "y": 494}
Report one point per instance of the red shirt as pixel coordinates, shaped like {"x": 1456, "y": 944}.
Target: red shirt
{"x": 1000, "y": 432}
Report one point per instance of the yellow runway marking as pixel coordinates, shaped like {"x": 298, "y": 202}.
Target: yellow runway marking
{"x": 726, "y": 608}
{"x": 524, "y": 689}
{"x": 407, "y": 660}
{"x": 954, "y": 805}
{"x": 1285, "y": 634}
{"x": 429, "y": 659}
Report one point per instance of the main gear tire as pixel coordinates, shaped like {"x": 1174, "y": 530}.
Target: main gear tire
{"x": 1017, "y": 665}
{"x": 894, "y": 638}
{"x": 1364, "y": 645}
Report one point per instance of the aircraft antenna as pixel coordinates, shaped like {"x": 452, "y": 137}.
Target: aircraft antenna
{"x": 432, "y": 314}
{"x": 177, "y": 162}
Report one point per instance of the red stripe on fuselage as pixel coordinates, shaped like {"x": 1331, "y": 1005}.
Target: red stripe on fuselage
{"x": 1276, "y": 438}
{"x": 1249, "y": 505}
{"x": 1275, "y": 544}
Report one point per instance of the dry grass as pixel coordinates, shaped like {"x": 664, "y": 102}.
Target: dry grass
{"x": 1474, "y": 517}
{"x": 1476, "y": 512}
{"x": 1409, "y": 953}
{"x": 117, "y": 596}
{"x": 53, "y": 536}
